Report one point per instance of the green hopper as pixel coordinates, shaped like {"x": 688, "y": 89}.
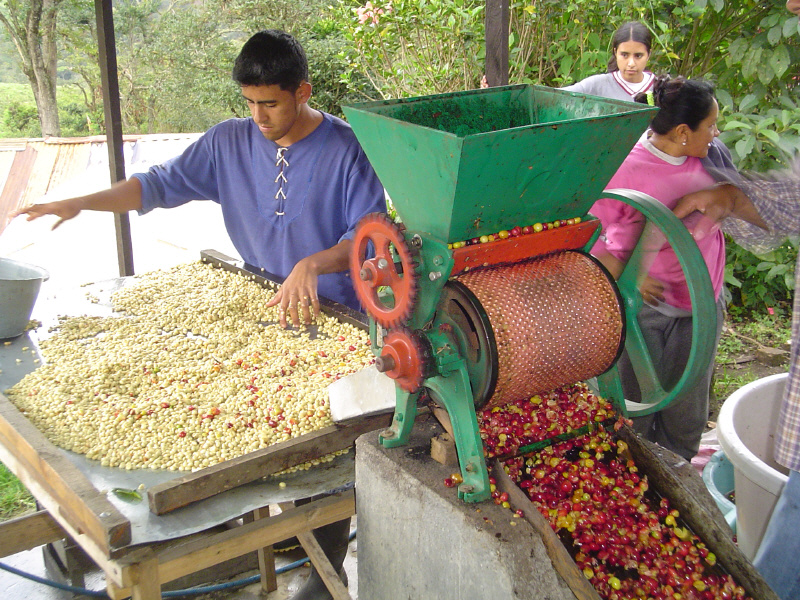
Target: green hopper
{"x": 465, "y": 164}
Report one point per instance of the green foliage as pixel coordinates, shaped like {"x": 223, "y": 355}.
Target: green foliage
{"x": 169, "y": 84}
{"x": 761, "y": 140}
{"x": 10, "y": 71}
{"x": 78, "y": 121}
{"x": 78, "y": 58}
{"x": 556, "y": 43}
{"x": 758, "y": 284}
{"x": 332, "y": 86}
{"x": 742, "y": 336}
{"x": 21, "y": 119}
{"x": 415, "y": 47}
{"x": 747, "y": 47}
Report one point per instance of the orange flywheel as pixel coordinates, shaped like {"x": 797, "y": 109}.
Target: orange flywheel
{"x": 391, "y": 267}
{"x": 406, "y": 358}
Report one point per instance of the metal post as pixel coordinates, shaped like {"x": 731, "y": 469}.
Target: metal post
{"x": 497, "y": 30}
{"x": 113, "y": 117}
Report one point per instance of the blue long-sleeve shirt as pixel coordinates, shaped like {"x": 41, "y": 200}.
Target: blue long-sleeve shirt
{"x": 322, "y": 185}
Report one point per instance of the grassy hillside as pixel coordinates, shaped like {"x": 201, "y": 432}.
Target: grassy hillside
{"x": 14, "y": 92}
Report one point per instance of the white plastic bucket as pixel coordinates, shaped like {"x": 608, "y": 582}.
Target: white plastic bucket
{"x": 19, "y": 288}
{"x": 746, "y": 432}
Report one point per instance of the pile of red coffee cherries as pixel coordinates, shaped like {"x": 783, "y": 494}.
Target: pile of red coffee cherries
{"x": 505, "y": 429}
{"x": 626, "y": 539}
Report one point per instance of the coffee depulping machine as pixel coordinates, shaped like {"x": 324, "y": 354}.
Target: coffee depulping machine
{"x": 486, "y": 293}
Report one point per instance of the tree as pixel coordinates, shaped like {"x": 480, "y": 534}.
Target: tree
{"x": 78, "y": 54}
{"x": 31, "y": 24}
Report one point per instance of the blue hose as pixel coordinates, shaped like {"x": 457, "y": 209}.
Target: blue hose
{"x": 173, "y": 594}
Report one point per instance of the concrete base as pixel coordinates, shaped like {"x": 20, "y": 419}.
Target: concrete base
{"x": 418, "y": 541}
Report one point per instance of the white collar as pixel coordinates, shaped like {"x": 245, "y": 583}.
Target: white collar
{"x": 634, "y": 88}
{"x": 668, "y": 158}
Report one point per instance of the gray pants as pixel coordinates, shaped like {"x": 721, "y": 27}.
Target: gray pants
{"x": 679, "y": 426}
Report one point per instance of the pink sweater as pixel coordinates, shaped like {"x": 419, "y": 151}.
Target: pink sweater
{"x": 648, "y": 170}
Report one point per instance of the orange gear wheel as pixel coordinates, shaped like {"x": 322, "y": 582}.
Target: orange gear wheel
{"x": 406, "y": 358}
{"x": 392, "y": 267}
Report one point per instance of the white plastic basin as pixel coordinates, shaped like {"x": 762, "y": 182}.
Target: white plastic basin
{"x": 746, "y": 432}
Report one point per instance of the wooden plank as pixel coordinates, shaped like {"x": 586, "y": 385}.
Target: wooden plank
{"x": 444, "y": 418}
{"x": 58, "y": 484}
{"x": 29, "y": 531}
{"x": 321, "y": 563}
{"x": 559, "y": 555}
{"x": 99, "y": 554}
{"x": 266, "y": 558}
{"x": 323, "y": 566}
{"x": 497, "y": 30}
{"x": 663, "y": 479}
{"x": 206, "y": 550}
{"x": 227, "y": 475}
{"x": 148, "y": 585}
{"x": 443, "y": 450}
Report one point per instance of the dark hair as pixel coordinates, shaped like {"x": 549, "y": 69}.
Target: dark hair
{"x": 629, "y": 32}
{"x": 271, "y": 57}
{"x": 681, "y": 101}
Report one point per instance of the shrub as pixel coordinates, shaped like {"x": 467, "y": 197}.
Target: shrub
{"x": 77, "y": 121}
{"x": 759, "y": 283}
{"x": 22, "y": 120}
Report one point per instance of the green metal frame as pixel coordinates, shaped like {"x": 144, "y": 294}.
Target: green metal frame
{"x": 654, "y": 396}
{"x": 450, "y": 386}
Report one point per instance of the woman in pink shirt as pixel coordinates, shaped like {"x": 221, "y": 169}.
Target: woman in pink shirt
{"x": 666, "y": 164}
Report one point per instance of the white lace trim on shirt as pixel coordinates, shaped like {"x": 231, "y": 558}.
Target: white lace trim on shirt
{"x": 634, "y": 88}
{"x": 280, "y": 195}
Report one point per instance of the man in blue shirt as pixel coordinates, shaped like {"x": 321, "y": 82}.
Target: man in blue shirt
{"x": 292, "y": 183}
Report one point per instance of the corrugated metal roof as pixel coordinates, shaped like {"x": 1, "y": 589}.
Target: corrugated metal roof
{"x": 31, "y": 168}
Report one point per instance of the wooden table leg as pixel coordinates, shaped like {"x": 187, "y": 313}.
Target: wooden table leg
{"x": 266, "y": 558}
{"x": 145, "y": 575}
{"x": 324, "y": 567}
{"x": 320, "y": 561}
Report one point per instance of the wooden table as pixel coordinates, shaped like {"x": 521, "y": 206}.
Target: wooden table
{"x": 74, "y": 508}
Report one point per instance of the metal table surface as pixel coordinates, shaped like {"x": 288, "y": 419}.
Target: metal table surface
{"x": 19, "y": 357}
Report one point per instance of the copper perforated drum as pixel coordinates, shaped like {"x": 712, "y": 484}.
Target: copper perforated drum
{"x": 537, "y": 325}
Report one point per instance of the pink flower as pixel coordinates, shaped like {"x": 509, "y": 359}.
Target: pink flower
{"x": 368, "y": 12}
{"x": 363, "y": 15}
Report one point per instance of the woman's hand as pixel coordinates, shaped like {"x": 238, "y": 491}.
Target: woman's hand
{"x": 652, "y": 290}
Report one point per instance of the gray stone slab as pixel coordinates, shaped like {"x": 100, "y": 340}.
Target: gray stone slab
{"x": 418, "y": 541}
